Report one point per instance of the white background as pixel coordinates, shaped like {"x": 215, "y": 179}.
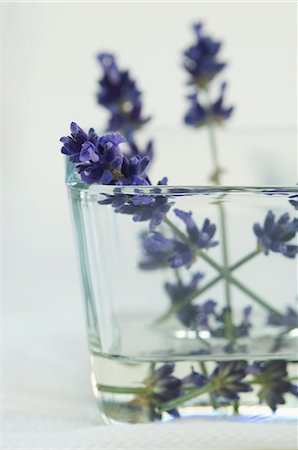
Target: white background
{"x": 49, "y": 79}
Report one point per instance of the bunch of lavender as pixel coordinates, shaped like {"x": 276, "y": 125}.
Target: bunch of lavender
{"x": 119, "y": 94}
{"x": 162, "y": 391}
{"x": 183, "y": 242}
{"x": 203, "y": 64}
{"x": 99, "y": 159}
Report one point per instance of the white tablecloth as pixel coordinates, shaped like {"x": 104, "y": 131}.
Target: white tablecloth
{"x": 48, "y": 402}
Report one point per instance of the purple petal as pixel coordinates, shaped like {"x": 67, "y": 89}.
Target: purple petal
{"x": 107, "y": 177}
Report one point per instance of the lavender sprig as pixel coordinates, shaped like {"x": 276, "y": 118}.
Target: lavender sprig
{"x": 203, "y": 65}
{"x": 119, "y": 94}
{"x": 274, "y": 235}
{"x": 201, "y": 59}
{"x": 99, "y": 159}
{"x": 198, "y": 114}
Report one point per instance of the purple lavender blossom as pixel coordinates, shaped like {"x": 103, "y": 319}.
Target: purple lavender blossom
{"x": 201, "y": 238}
{"x": 163, "y": 386}
{"x": 146, "y": 207}
{"x": 194, "y": 379}
{"x": 127, "y": 121}
{"x": 154, "y": 258}
{"x": 72, "y": 145}
{"x": 191, "y": 316}
{"x": 198, "y": 115}
{"x": 272, "y": 376}
{"x": 117, "y": 89}
{"x": 147, "y": 151}
{"x": 275, "y": 234}
{"x": 201, "y": 59}
{"x": 119, "y": 93}
{"x": 218, "y": 111}
{"x": 161, "y": 251}
{"x": 100, "y": 160}
{"x": 228, "y": 379}
{"x": 240, "y": 330}
{"x": 289, "y": 320}
{"x": 152, "y": 208}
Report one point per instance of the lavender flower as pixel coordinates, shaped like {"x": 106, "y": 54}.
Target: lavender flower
{"x": 161, "y": 251}
{"x": 127, "y": 121}
{"x": 272, "y": 376}
{"x": 141, "y": 207}
{"x": 240, "y": 330}
{"x": 220, "y": 113}
{"x": 163, "y": 386}
{"x": 72, "y": 145}
{"x": 100, "y": 160}
{"x": 191, "y": 316}
{"x": 201, "y": 59}
{"x": 154, "y": 258}
{"x": 201, "y": 238}
{"x": 148, "y": 150}
{"x": 194, "y": 379}
{"x": 117, "y": 89}
{"x": 293, "y": 200}
{"x": 288, "y": 320}
{"x": 119, "y": 94}
{"x": 275, "y": 234}
{"x": 198, "y": 115}
{"x": 228, "y": 379}
{"x": 147, "y": 207}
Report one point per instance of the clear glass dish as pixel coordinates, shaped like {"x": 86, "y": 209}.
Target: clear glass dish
{"x": 212, "y": 334}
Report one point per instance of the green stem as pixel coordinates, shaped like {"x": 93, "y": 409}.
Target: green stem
{"x": 236, "y": 408}
{"x": 225, "y": 273}
{"x": 186, "y": 300}
{"x": 166, "y": 406}
{"x": 216, "y": 175}
{"x": 178, "y": 276}
{"x": 229, "y": 327}
{"x": 229, "y": 315}
{"x": 122, "y": 389}
{"x": 211, "y": 396}
{"x": 244, "y": 260}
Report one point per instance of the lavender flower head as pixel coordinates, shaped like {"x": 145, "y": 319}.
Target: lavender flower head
{"x": 274, "y": 235}
{"x": 100, "y": 160}
{"x": 191, "y": 316}
{"x": 201, "y": 238}
{"x": 289, "y": 320}
{"x": 161, "y": 252}
{"x": 117, "y": 89}
{"x": 199, "y": 115}
{"x": 152, "y": 207}
{"x": 228, "y": 378}
{"x": 164, "y": 386}
{"x": 272, "y": 376}
{"x": 201, "y": 59}
{"x": 118, "y": 93}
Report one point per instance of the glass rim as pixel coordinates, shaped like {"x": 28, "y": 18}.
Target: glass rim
{"x": 180, "y": 190}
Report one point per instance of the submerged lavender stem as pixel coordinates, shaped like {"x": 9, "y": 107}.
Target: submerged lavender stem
{"x": 166, "y": 406}
{"x": 122, "y": 389}
{"x": 230, "y": 331}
